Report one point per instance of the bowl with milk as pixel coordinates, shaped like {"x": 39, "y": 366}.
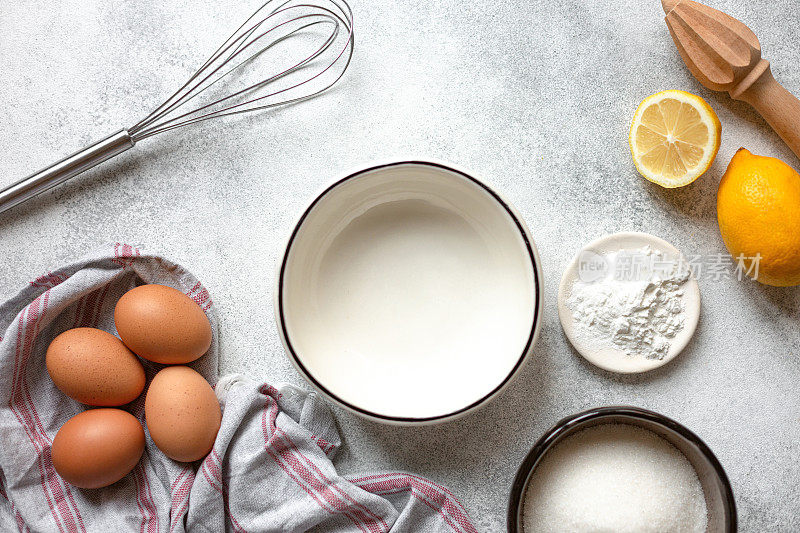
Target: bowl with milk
{"x": 409, "y": 292}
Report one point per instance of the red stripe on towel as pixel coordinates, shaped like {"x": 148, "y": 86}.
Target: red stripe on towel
{"x": 139, "y": 500}
{"x": 49, "y": 280}
{"x": 375, "y": 523}
{"x": 326, "y": 499}
{"x": 27, "y": 324}
{"x": 144, "y": 500}
{"x": 12, "y": 404}
{"x": 194, "y": 288}
{"x": 144, "y": 496}
{"x": 91, "y": 318}
{"x": 58, "y": 487}
{"x": 150, "y": 505}
{"x": 433, "y": 495}
{"x": 182, "y": 495}
{"x": 215, "y": 467}
{"x": 207, "y": 469}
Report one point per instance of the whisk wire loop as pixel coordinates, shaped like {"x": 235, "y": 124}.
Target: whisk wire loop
{"x": 262, "y": 34}
{"x": 275, "y": 22}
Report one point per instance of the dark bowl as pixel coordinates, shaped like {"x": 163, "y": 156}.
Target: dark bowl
{"x": 716, "y": 487}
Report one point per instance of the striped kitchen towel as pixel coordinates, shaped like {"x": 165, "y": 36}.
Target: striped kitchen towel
{"x": 270, "y": 469}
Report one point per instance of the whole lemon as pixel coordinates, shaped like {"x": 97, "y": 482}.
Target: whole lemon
{"x": 758, "y": 209}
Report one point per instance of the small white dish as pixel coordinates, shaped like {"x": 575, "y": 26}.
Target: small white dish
{"x": 409, "y": 293}
{"x": 608, "y": 357}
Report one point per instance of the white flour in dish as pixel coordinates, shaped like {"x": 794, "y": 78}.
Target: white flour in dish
{"x": 635, "y": 306}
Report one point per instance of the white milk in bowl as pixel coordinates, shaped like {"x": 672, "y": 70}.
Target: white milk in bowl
{"x": 409, "y": 292}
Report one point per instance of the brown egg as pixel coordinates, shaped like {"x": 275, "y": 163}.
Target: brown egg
{"x": 162, "y": 324}
{"x": 182, "y": 413}
{"x": 94, "y": 367}
{"x": 97, "y": 447}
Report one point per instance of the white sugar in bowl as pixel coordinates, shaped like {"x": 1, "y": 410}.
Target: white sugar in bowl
{"x": 409, "y": 292}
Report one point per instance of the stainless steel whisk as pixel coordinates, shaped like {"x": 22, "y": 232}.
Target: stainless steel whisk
{"x": 301, "y": 78}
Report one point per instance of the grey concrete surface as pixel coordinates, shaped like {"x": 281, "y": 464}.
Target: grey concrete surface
{"x": 535, "y": 97}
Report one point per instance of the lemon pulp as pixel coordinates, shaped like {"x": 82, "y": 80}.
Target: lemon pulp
{"x": 674, "y": 138}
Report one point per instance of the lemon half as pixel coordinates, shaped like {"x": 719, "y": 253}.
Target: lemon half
{"x": 674, "y": 138}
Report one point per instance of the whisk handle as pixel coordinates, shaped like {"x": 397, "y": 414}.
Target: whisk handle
{"x": 64, "y": 169}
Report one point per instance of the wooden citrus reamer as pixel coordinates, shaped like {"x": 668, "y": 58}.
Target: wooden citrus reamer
{"x": 725, "y": 55}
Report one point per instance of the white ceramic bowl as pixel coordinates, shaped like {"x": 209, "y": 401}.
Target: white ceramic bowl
{"x": 409, "y": 292}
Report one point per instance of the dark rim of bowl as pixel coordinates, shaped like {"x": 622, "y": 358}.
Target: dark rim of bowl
{"x": 565, "y": 424}
{"x": 534, "y": 322}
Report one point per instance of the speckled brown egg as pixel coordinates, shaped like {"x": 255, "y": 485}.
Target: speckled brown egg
{"x": 94, "y": 367}
{"x": 162, "y": 324}
{"x": 97, "y": 447}
{"x": 182, "y": 413}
